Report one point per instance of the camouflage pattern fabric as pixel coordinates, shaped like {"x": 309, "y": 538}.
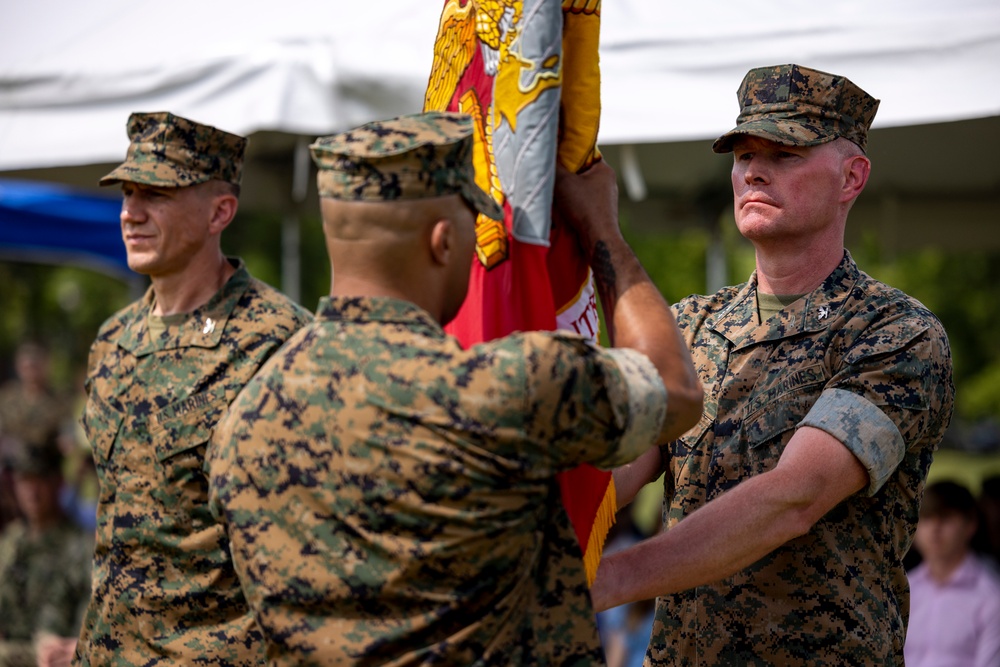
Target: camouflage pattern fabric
{"x": 870, "y": 366}
{"x": 798, "y": 106}
{"x": 26, "y": 422}
{"x": 44, "y": 586}
{"x": 169, "y": 151}
{"x": 390, "y": 497}
{"x": 410, "y": 157}
{"x": 164, "y": 587}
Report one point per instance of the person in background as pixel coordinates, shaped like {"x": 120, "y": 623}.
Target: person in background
{"x": 161, "y": 373}
{"x": 989, "y": 513}
{"x": 45, "y": 562}
{"x": 31, "y": 413}
{"x": 790, "y": 506}
{"x": 954, "y": 595}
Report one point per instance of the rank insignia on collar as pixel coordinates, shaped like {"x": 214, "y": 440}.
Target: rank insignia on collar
{"x": 824, "y": 312}
{"x": 209, "y": 326}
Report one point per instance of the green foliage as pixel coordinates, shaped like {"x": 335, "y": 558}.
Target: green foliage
{"x": 59, "y": 306}
{"x": 259, "y": 243}
{"x": 676, "y": 263}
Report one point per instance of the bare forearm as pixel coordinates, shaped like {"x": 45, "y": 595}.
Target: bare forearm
{"x": 631, "y": 477}
{"x": 730, "y": 533}
{"x": 735, "y": 530}
{"x": 638, "y": 317}
{"x": 636, "y": 313}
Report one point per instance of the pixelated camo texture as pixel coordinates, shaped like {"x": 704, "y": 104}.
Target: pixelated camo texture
{"x": 837, "y": 595}
{"x": 44, "y": 580}
{"x": 390, "y": 497}
{"x": 164, "y": 587}
{"x": 171, "y": 151}
{"x": 798, "y": 106}
{"x": 410, "y": 157}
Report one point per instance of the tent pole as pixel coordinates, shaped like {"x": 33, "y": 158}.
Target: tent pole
{"x": 711, "y": 203}
{"x": 291, "y": 229}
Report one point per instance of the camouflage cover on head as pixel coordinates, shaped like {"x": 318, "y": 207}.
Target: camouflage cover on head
{"x": 34, "y": 458}
{"x": 173, "y": 152}
{"x": 798, "y": 106}
{"x": 409, "y": 157}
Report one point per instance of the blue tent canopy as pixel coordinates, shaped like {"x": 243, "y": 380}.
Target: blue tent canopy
{"x": 42, "y": 222}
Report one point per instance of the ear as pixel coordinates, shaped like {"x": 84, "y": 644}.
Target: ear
{"x": 857, "y": 168}
{"x": 442, "y": 241}
{"x": 223, "y": 211}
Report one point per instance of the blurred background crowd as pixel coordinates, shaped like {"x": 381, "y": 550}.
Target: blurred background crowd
{"x": 48, "y": 498}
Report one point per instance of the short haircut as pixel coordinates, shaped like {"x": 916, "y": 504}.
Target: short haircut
{"x": 943, "y": 498}
{"x": 991, "y": 487}
{"x": 225, "y": 187}
{"x": 31, "y": 349}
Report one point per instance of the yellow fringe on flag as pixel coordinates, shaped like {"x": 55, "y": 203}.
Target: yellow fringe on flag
{"x": 603, "y": 520}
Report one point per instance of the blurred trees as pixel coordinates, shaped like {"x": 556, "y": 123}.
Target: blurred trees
{"x": 60, "y": 306}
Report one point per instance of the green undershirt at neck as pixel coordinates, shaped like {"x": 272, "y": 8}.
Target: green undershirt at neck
{"x": 769, "y": 305}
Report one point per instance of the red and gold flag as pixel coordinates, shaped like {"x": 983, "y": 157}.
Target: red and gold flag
{"x": 527, "y": 72}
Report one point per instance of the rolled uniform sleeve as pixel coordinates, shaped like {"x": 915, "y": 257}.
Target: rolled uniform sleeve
{"x": 587, "y": 404}
{"x": 864, "y": 429}
{"x": 894, "y": 389}
{"x": 640, "y": 399}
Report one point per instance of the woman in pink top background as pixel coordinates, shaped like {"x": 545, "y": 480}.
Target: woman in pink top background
{"x": 954, "y": 593}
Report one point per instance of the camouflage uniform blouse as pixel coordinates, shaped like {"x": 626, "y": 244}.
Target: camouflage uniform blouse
{"x": 390, "y": 497}
{"x": 871, "y": 367}
{"x": 164, "y": 587}
{"x": 44, "y": 586}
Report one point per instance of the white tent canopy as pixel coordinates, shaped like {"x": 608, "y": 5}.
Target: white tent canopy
{"x": 70, "y": 73}
{"x": 671, "y": 70}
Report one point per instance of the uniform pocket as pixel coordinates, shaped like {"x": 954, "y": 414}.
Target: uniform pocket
{"x": 779, "y": 409}
{"x": 101, "y": 423}
{"x": 180, "y": 441}
{"x": 773, "y": 410}
{"x": 185, "y": 424}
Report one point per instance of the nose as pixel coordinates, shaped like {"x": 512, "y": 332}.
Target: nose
{"x": 756, "y": 171}
{"x": 753, "y": 170}
{"x": 132, "y": 212}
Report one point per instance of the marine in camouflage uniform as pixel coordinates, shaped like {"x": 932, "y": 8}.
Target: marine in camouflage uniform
{"x": 164, "y": 588}
{"x": 854, "y": 358}
{"x": 45, "y": 559}
{"x": 30, "y": 411}
{"x": 31, "y": 414}
{"x": 390, "y": 496}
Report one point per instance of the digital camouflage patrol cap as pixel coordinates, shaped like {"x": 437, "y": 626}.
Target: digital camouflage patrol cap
{"x": 798, "y": 106}
{"x": 410, "y": 157}
{"x": 173, "y": 152}
{"x": 26, "y": 458}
